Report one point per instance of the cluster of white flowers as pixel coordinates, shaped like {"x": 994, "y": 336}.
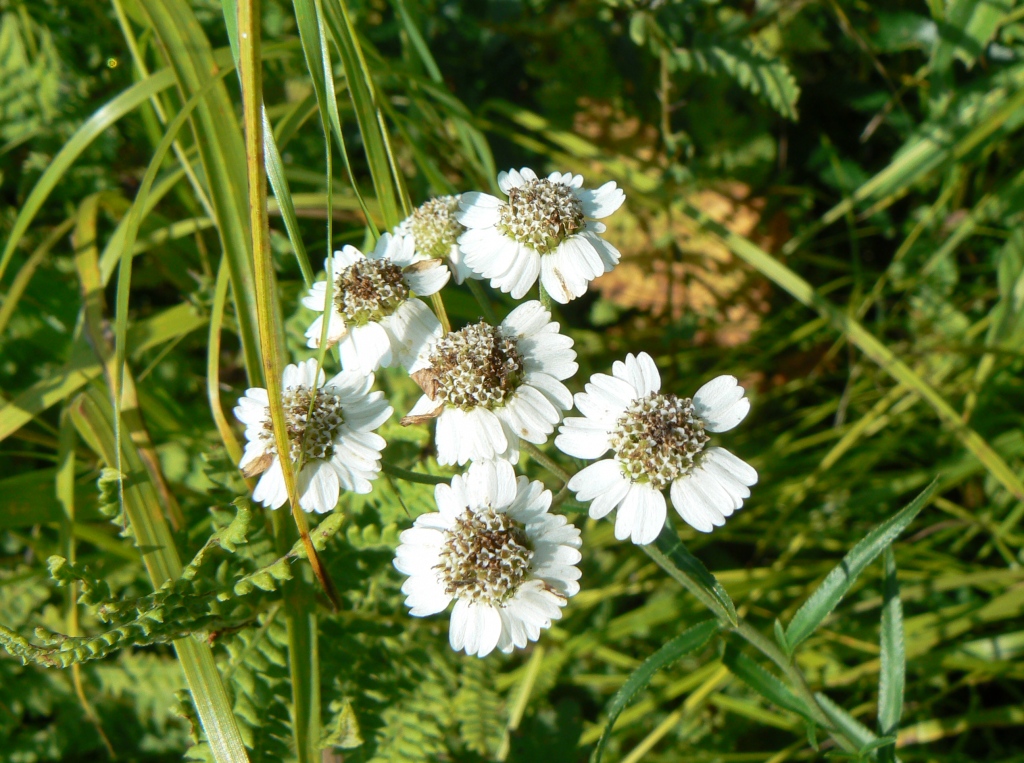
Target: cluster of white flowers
{"x": 493, "y": 547}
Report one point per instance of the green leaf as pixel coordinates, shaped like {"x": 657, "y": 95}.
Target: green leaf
{"x": 851, "y": 728}
{"x": 757, "y": 73}
{"x": 673, "y": 557}
{"x": 838, "y": 581}
{"x": 684, "y": 643}
{"x": 893, "y": 662}
{"x": 763, "y": 682}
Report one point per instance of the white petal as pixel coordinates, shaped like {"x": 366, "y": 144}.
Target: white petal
{"x": 581, "y": 254}
{"x": 491, "y": 483}
{"x": 603, "y": 504}
{"x": 551, "y": 388}
{"x": 605, "y": 399}
{"x": 460, "y": 624}
{"x": 316, "y": 297}
{"x": 412, "y": 329}
{"x": 365, "y": 348}
{"x": 609, "y": 255}
{"x": 270, "y": 490}
{"x": 478, "y": 210}
{"x": 425, "y": 595}
{"x": 582, "y": 438}
{"x": 641, "y": 373}
{"x": 425, "y": 281}
{"x": 526, "y": 320}
{"x": 641, "y": 514}
{"x": 744, "y": 473}
{"x": 721, "y": 404}
{"x": 696, "y": 509}
{"x": 319, "y": 488}
{"x": 562, "y": 276}
{"x": 598, "y": 478}
{"x": 601, "y": 202}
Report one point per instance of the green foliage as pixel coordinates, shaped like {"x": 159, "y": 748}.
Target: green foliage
{"x": 867, "y": 150}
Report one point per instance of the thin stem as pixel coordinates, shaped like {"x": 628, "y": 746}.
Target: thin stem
{"x": 547, "y": 463}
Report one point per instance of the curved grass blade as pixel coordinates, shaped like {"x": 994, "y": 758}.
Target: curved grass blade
{"x": 893, "y": 659}
{"x": 673, "y": 557}
{"x": 684, "y": 643}
{"x": 25, "y": 273}
{"x": 103, "y": 118}
{"x": 863, "y": 737}
{"x": 836, "y": 584}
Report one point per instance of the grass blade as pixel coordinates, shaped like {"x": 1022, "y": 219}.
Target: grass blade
{"x": 93, "y": 416}
{"x": 892, "y": 673}
{"x": 836, "y": 584}
{"x": 221, "y": 151}
{"x": 104, "y": 117}
{"x": 684, "y": 643}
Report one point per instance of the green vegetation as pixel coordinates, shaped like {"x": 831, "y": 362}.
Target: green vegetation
{"x": 822, "y": 199}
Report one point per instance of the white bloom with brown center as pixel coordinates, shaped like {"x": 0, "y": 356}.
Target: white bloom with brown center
{"x": 375, "y": 318}
{"x": 658, "y": 442}
{"x": 490, "y": 386}
{"x": 330, "y": 434}
{"x": 434, "y": 231}
{"x": 494, "y": 549}
{"x": 548, "y": 229}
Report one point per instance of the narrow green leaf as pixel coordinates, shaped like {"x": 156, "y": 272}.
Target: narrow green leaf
{"x": 763, "y": 682}
{"x": 673, "y": 557}
{"x": 838, "y": 581}
{"x": 892, "y": 671}
{"x": 685, "y": 642}
{"x": 283, "y": 194}
{"x": 851, "y": 728}
{"x": 780, "y": 637}
{"x": 222, "y": 152}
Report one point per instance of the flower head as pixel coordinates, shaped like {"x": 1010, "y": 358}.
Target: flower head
{"x": 658, "y": 441}
{"x": 493, "y": 547}
{"x": 488, "y": 386}
{"x": 547, "y": 228}
{"x": 374, "y": 316}
{"x": 330, "y": 432}
{"x": 434, "y": 231}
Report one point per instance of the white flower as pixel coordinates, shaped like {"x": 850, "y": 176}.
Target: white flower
{"x": 494, "y": 548}
{"x": 435, "y": 232}
{"x": 374, "y": 317}
{"x": 331, "y": 425}
{"x": 488, "y": 386}
{"x": 543, "y": 229}
{"x": 657, "y": 440}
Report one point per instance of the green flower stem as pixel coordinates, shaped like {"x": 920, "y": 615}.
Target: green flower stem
{"x": 545, "y": 461}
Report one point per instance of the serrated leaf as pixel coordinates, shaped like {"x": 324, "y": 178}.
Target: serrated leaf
{"x": 673, "y": 557}
{"x": 763, "y": 682}
{"x": 850, "y": 727}
{"x": 893, "y": 663}
{"x": 836, "y": 584}
{"x": 684, "y": 643}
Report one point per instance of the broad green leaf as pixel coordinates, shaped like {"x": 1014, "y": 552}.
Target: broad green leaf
{"x": 673, "y": 557}
{"x": 892, "y": 672}
{"x": 836, "y": 584}
{"x": 684, "y": 643}
{"x": 763, "y": 682}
